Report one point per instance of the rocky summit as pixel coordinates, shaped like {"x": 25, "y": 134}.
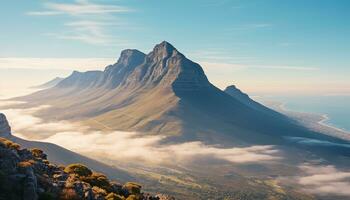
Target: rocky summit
{"x": 5, "y": 128}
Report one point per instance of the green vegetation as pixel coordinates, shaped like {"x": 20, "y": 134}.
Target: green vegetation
{"x": 97, "y": 179}
{"x": 113, "y": 196}
{"x": 37, "y": 152}
{"x": 132, "y": 188}
{"x": 78, "y": 169}
{"x": 9, "y": 144}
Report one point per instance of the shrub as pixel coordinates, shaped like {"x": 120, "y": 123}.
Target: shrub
{"x": 132, "y": 188}
{"x": 9, "y": 144}
{"x": 69, "y": 194}
{"x": 99, "y": 191}
{"x": 78, "y": 169}
{"x": 113, "y": 196}
{"x": 134, "y": 197}
{"x": 38, "y": 153}
{"x": 24, "y": 164}
{"x": 99, "y": 180}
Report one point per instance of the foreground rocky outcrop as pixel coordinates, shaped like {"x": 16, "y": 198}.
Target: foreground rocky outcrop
{"x": 27, "y": 174}
{"x": 5, "y": 128}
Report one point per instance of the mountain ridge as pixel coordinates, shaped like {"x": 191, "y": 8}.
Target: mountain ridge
{"x": 163, "y": 92}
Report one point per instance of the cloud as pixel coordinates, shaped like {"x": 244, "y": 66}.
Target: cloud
{"x": 56, "y": 63}
{"x": 121, "y": 146}
{"x": 88, "y": 21}
{"x": 309, "y": 141}
{"x": 80, "y": 7}
{"x": 323, "y": 180}
{"x": 23, "y": 122}
{"x": 246, "y": 27}
{"x": 227, "y": 65}
{"x": 286, "y": 67}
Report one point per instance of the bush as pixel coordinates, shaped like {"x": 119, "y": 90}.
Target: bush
{"x": 99, "y": 180}
{"x": 9, "y": 144}
{"x": 134, "y": 197}
{"x": 69, "y": 194}
{"x": 113, "y": 196}
{"x": 24, "y": 164}
{"x": 38, "y": 153}
{"x": 132, "y": 188}
{"x": 78, "y": 169}
{"x": 99, "y": 191}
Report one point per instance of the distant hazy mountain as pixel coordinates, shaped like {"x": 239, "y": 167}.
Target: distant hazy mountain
{"x": 164, "y": 92}
{"x": 49, "y": 84}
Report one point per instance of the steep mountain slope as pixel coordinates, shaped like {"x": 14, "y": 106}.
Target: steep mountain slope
{"x": 163, "y": 92}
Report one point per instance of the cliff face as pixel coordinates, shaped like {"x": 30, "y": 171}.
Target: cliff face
{"x": 5, "y": 129}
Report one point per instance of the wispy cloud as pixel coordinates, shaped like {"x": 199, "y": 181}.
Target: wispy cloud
{"x": 253, "y": 26}
{"x": 80, "y": 7}
{"x": 89, "y": 22}
{"x": 286, "y": 67}
{"x": 56, "y": 63}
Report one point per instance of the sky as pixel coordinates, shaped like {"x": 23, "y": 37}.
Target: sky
{"x": 262, "y": 46}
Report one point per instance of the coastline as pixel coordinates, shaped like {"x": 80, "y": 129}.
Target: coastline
{"x": 314, "y": 121}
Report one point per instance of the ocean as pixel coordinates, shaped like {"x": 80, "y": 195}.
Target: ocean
{"x": 336, "y": 108}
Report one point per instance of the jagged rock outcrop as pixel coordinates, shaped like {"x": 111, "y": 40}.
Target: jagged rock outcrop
{"x": 26, "y": 174}
{"x": 5, "y": 129}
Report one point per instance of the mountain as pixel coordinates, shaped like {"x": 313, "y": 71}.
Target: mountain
{"x": 163, "y": 92}
{"x": 49, "y": 84}
{"x": 246, "y": 100}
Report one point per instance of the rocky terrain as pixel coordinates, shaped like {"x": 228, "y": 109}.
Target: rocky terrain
{"x": 5, "y": 128}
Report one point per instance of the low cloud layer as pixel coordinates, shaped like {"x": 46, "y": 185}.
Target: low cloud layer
{"x": 119, "y": 145}
{"x": 324, "y": 180}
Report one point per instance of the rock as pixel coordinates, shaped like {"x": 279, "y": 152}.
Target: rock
{"x": 5, "y": 129}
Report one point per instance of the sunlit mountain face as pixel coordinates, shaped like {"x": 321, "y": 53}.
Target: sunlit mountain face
{"x": 166, "y": 100}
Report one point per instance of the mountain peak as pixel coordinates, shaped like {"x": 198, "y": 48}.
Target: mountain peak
{"x": 234, "y": 91}
{"x": 230, "y": 87}
{"x": 163, "y": 49}
{"x": 129, "y": 55}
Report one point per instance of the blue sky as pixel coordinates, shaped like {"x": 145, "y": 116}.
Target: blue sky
{"x": 270, "y": 46}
